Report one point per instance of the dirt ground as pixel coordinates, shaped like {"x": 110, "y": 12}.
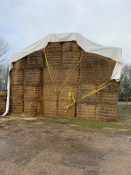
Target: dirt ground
{"x": 39, "y": 147}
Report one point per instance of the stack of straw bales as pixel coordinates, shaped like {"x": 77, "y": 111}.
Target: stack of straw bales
{"x": 33, "y": 84}
{"x": 2, "y": 105}
{"x": 16, "y": 89}
{"x": 94, "y": 71}
{"x": 33, "y": 93}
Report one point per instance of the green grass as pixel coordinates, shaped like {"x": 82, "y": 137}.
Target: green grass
{"x": 128, "y": 111}
{"x": 93, "y": 124}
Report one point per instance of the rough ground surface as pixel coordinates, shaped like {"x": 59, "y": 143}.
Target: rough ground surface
{"x": 39, "y": 147}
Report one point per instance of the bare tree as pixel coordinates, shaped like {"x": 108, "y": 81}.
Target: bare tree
{"x": 4, "y": 48}
{"x": 125, "y": 83}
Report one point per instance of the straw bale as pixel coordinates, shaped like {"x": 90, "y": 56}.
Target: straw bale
{"x": 85, "y": 89}
{"x": 71, "y": 111}
{"x": 95, "y": 68}
{"x": 36, "y": 59}
{"x": 16, "y": 91}
{"x": 70, "y": 46}
{"x": 20, "y": 64}
{"x": 2, "y": 105}
{"x": 106, "y": 98}
{"x": 86, "y": 111}
{"x": 70, "y": 59}
{"x": 70, "y": 53}
{"x": 17, "y": 77}
{"x": 60, "y": 75}
{"x": 65, "y": 91}
{"x": 49, "y": 108}
{"x": 53, "y": 52}
{"x": 33, "y": 108}
{"x": 33, "y": 77}
{"x": 105, "y": 112}
{"x": 32, "y": 93}
{"x": 53, "y": 47}
{"x": 16, "y": 106}
{"x": 49, "y": 93}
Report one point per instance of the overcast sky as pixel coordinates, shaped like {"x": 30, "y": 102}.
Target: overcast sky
{"x": 106, "y": 22}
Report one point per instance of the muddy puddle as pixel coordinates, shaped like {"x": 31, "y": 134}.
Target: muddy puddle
{"x": 2, "y": 142}
{"x": 128, "y": 138}
{"x": 68, "y": 146}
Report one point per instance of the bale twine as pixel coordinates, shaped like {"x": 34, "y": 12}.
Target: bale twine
{"x": 16, "y": 92}
{"x": 17, "y": 77}
{"x": 2, "y": 105}
{"x": 16, "y": 106}
{"x": 36, "y": 59}
{"x": 33, "y": 77}
{"x": 33, "y": 108}
{"x": 20, "y": 64}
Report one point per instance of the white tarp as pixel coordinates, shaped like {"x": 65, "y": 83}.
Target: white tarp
{"x": 87, "y": 45}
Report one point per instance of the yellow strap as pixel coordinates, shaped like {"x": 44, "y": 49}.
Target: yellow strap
{"x": 73, "y": 97}
{"x": 72, "y": 71}
{"x": 69, "y": 96}
{"x": 67, "y": 78}
{"x": 101, "y": 87}
{"x": 49, "y": 70}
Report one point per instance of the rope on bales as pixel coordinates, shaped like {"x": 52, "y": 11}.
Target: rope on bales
{"x": 104, "y": 85}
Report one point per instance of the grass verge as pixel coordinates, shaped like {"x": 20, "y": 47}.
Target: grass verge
{"x": 93, "y": 124}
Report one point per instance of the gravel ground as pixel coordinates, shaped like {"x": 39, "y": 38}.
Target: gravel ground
{"x": 38, "y": 147}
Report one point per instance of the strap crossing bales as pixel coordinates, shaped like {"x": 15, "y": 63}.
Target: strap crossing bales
{"x": 70, "y": 95}
{"x": 104, "y": 85}
{"x": 67, "y": 78}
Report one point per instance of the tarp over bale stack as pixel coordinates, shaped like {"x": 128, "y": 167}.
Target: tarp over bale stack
{"x": 44, "y": 82}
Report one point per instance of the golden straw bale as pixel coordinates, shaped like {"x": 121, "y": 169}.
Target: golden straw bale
{"x": 54, "y": 47}
{"x": 86, "y": 111}
{"x": 17, "y": 77}
{"x": 61, "y": 112}
{"x": 2, "y": 105}
{"x": 16, "y": 91}
{"x": 106, "y": 112}
{"x": 32, "y": 93}
{"x": 33, "y": 77}
{"x": 49, "y": 108}
{"x": 60, "y": 75}
{"x": 20, "y": 64}
{"x": 53, "y": 53}
{"x": 33, "y": 108}
{"x": 70, "y": 54}
{"x": 49, "y": 93}
{"x": 70, "y": 46}
{"x": 86, "y": 89}
{"x": 65, "y": 92}
{"x": 16, "y": 106}
{"x": 36, "y": 59}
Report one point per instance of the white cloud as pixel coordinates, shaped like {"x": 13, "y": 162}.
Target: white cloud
{"x": 105, "y": 22}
